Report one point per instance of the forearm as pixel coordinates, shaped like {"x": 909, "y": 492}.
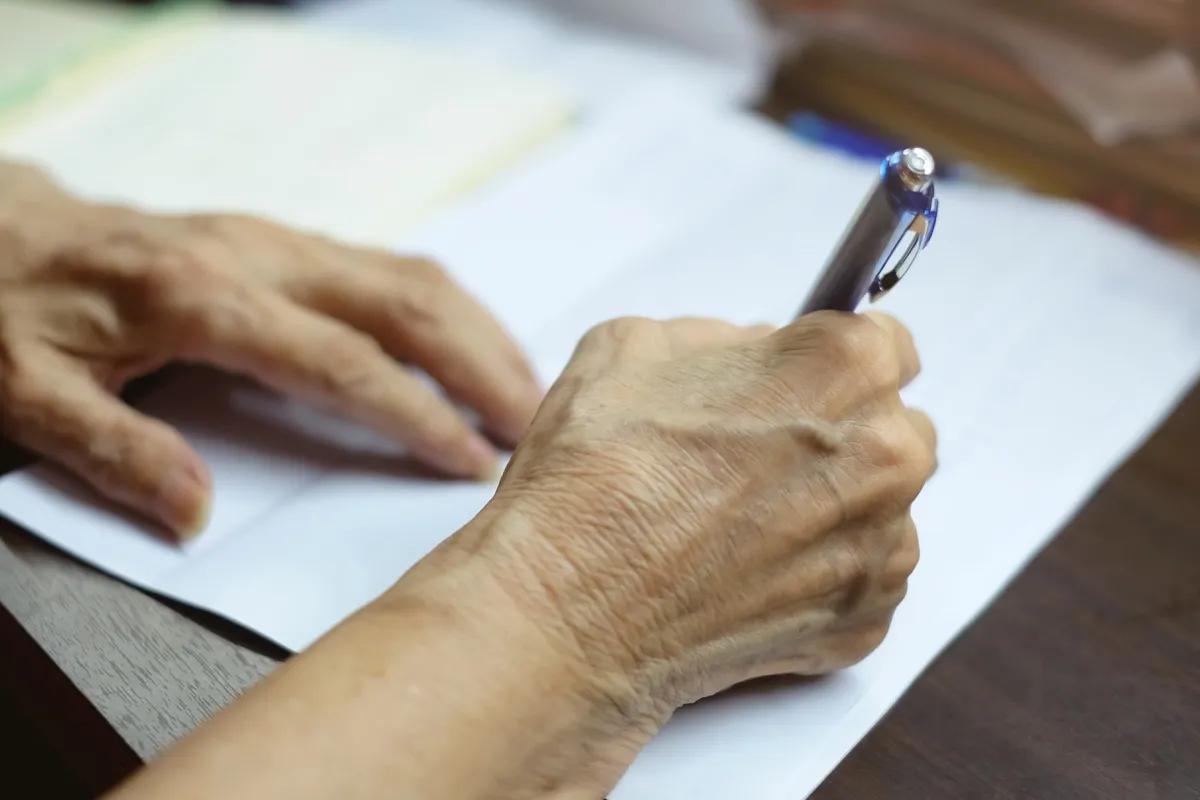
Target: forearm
{"x": 419, "y": 696}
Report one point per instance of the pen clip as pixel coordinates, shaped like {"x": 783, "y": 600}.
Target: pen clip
{"x": 921, "y": 228}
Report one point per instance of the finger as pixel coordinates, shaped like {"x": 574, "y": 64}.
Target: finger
{"x": 903, "y": 560}
{"x": 301, "y": 353}
{"x": 925, "y": 429}
{"x": 876, "y": 350}
{"x": 902, "y": 340}
{"x": 418, "y": 314}
{"x": 842, "y": 649}
{"x": 823, "y": 654}
{"x": 57, "y": 410}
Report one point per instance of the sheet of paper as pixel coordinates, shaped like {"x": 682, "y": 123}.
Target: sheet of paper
{"x": 226, "y": 118}
{"x": 1044, "y": 367}
{"x": 605, "y": 54}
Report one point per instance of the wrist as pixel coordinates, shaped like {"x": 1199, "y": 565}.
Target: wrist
{"x": 439, "y": 690}
{"x": 537, "y": 715}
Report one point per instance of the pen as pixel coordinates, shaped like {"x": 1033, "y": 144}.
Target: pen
{"x": 901, "y": 203}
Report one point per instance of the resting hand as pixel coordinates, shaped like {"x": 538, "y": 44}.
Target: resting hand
{"x": 93, "y": 296}
{"x": 698, "y": 505}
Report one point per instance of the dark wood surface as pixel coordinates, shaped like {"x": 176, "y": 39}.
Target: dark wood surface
{"x": 54, "y": 744}
{"x": 1083, "y": 680}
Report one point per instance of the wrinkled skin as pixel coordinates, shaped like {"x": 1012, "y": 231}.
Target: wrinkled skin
{"x": 694, "y": 505}
{"x": 697, "y": 505}
{"x": 92, "y": 296}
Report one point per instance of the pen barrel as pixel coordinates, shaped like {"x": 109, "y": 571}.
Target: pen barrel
{"x": 856, "y": 261}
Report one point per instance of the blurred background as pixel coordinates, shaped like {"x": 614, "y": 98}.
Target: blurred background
{"x": 1096, "y": 100}
{"x": 1092, "y": 99}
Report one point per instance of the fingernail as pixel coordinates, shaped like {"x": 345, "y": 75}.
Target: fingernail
{"x": 185, "y": 501}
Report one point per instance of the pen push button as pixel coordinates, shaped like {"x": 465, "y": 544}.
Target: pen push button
{"x": 897, "y": 217}
{"x": 909, "y": 177}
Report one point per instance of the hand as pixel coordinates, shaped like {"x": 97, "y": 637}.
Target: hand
{"x": 698, "y": 505}
{"x": 93, "y": 296}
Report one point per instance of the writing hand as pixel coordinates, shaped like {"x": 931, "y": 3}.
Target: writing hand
{"x": 697, "y": 505}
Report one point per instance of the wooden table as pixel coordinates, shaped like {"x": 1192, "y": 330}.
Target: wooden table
{"x": 1083, "y": 681}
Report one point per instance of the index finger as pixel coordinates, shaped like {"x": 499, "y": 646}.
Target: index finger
{"x": 420, "y": 315}
{"x": 872, "y": 345}
{"x": 902, "y": 340}
{"x": 302, "y": 353}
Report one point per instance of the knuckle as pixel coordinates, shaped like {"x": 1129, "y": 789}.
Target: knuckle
{"x": 868, "y": 640}
{"x": 429, "y": 273}
{"x": 348, "y": 364}
{"x": 418, "y": 315}
{"x": 567, "y": 408}
{"x": 421, "y": 308}
{"x": 847, "y": 569}
{"x": 625, "y": 327}
{"x": 897, "y": 447}
{"x": 620, "y": 333}
{"x": 849, "y": 340}
{"x": 903, "y": 562}
{"x": 856, "y": 352}
{"x": 897, "y": 592}
{"x": 213, "y": 315}
{"x": 181, "y": 277}
{"x": 893, "y": 580}
{"x": 863, "y": 344}
{"x": 224, "y": 225}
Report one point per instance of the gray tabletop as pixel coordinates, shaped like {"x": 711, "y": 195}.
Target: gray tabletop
{"x": 152, "y": 672}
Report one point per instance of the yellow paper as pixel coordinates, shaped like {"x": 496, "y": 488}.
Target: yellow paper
{"x": 352, "y": 135}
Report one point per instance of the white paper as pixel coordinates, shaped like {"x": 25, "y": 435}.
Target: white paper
{"x": 1053, "y": 343}
{"x": 712, "y": 51}
{"x": 354, "y": 135}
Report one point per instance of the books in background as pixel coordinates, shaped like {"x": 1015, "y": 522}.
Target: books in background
{"x": 1091, "y": 99}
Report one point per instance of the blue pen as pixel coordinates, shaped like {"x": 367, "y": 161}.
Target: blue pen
{"x": 901, "y": 203}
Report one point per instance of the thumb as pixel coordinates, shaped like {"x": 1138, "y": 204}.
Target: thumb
{"x": 54, "y": 407}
